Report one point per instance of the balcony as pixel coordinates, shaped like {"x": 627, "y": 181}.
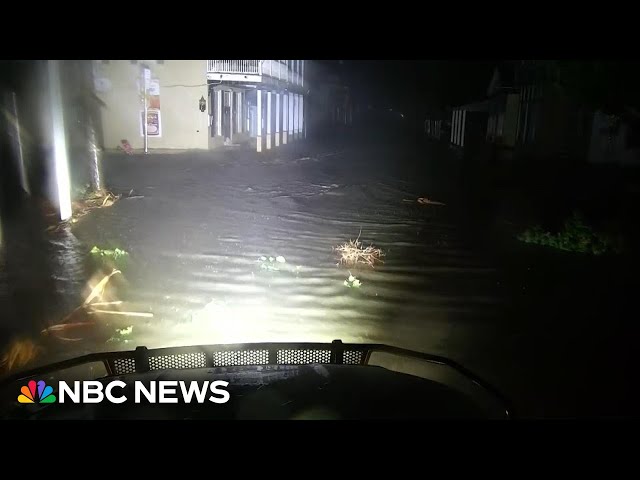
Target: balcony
{"x": 257, "y": 71}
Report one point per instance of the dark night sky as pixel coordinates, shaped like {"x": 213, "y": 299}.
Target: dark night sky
{"x": 417, "y": 86}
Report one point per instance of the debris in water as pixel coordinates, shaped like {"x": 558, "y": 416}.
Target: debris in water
{"x": 98, "y": 290}
{"x": 61, "y": 330}
{"x": 121, "y": 312}
{"x": 72, "y": 328}
{"x": 352, "y": 253}
{"x": 125, "y": 331}
{"x": 20, "y": 353}
{"x": 76, "y": 319}
{"x": 89, "y": 201}
{"x": 133, "y": 196}
{"x": 126, "y": 147}
{"x": 117, "y": 302}
{"x": 427, "y": 201}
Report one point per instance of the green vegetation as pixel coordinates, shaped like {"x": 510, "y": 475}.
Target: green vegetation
{"x": 271, "y": 264}
{"x": 121, "y": 335}
{"x": 352, "y": 282}
{"x": 116, "y": 258}
{"x": 115, "y": 254}
{"x": 125, "y": 331}
{"x": 576, "y": 236}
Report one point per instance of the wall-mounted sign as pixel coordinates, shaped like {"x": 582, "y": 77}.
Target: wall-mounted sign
{"x": 153, "y": 94}
{"x": 154, "y": 124}
{"x": 147, "y": 77}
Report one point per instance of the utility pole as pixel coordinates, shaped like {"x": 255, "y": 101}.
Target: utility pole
{"x": 146, "y": 80}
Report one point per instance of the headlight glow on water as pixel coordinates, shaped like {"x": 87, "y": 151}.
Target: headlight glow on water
{"x": 231, "y": 323}
{"x": 252, "y": 321}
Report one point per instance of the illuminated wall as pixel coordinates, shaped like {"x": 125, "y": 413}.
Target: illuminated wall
{"x": 181, "y": 85}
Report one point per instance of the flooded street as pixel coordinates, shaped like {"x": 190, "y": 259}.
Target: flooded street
{"x": 503, "y": 197}
{"x": 198, "y": 227}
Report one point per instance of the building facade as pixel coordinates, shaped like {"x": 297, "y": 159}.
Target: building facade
{"x": 550, "y": 125}
{"x": 201, "y": 104}
{"x": 615, "y": 140}
{"x": 435, "y": 125}
{"x": 330, "y": 103}
{"x": 503, "y": 108}
{"x": 469, "y": 125}
{"x": 524, "y": 117}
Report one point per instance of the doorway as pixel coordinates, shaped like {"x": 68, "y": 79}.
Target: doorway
{"x": 226, "y": 116}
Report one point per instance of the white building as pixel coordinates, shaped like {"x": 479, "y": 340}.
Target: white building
{"x": 202, "y": 104}
{"x": 263, "y": 99}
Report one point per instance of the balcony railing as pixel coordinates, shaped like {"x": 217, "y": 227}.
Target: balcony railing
{"x": 245, "y": 67}
{"x": 276, "y": 69}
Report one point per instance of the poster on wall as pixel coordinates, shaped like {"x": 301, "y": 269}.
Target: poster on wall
{"x": 154, "y": 124}
{"x": 153, "y": 94}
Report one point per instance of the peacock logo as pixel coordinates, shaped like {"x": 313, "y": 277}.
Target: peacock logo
{"x": 44, "y": 393}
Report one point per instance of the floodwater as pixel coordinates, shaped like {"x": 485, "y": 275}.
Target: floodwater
{"x": 196, "y": 226}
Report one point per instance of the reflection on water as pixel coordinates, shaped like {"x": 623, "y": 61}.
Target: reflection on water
{"x": 41, "y": 275}
{"x": 195, "y": 234}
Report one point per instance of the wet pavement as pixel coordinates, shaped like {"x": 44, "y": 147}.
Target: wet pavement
{"x": 196, "y": 225}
